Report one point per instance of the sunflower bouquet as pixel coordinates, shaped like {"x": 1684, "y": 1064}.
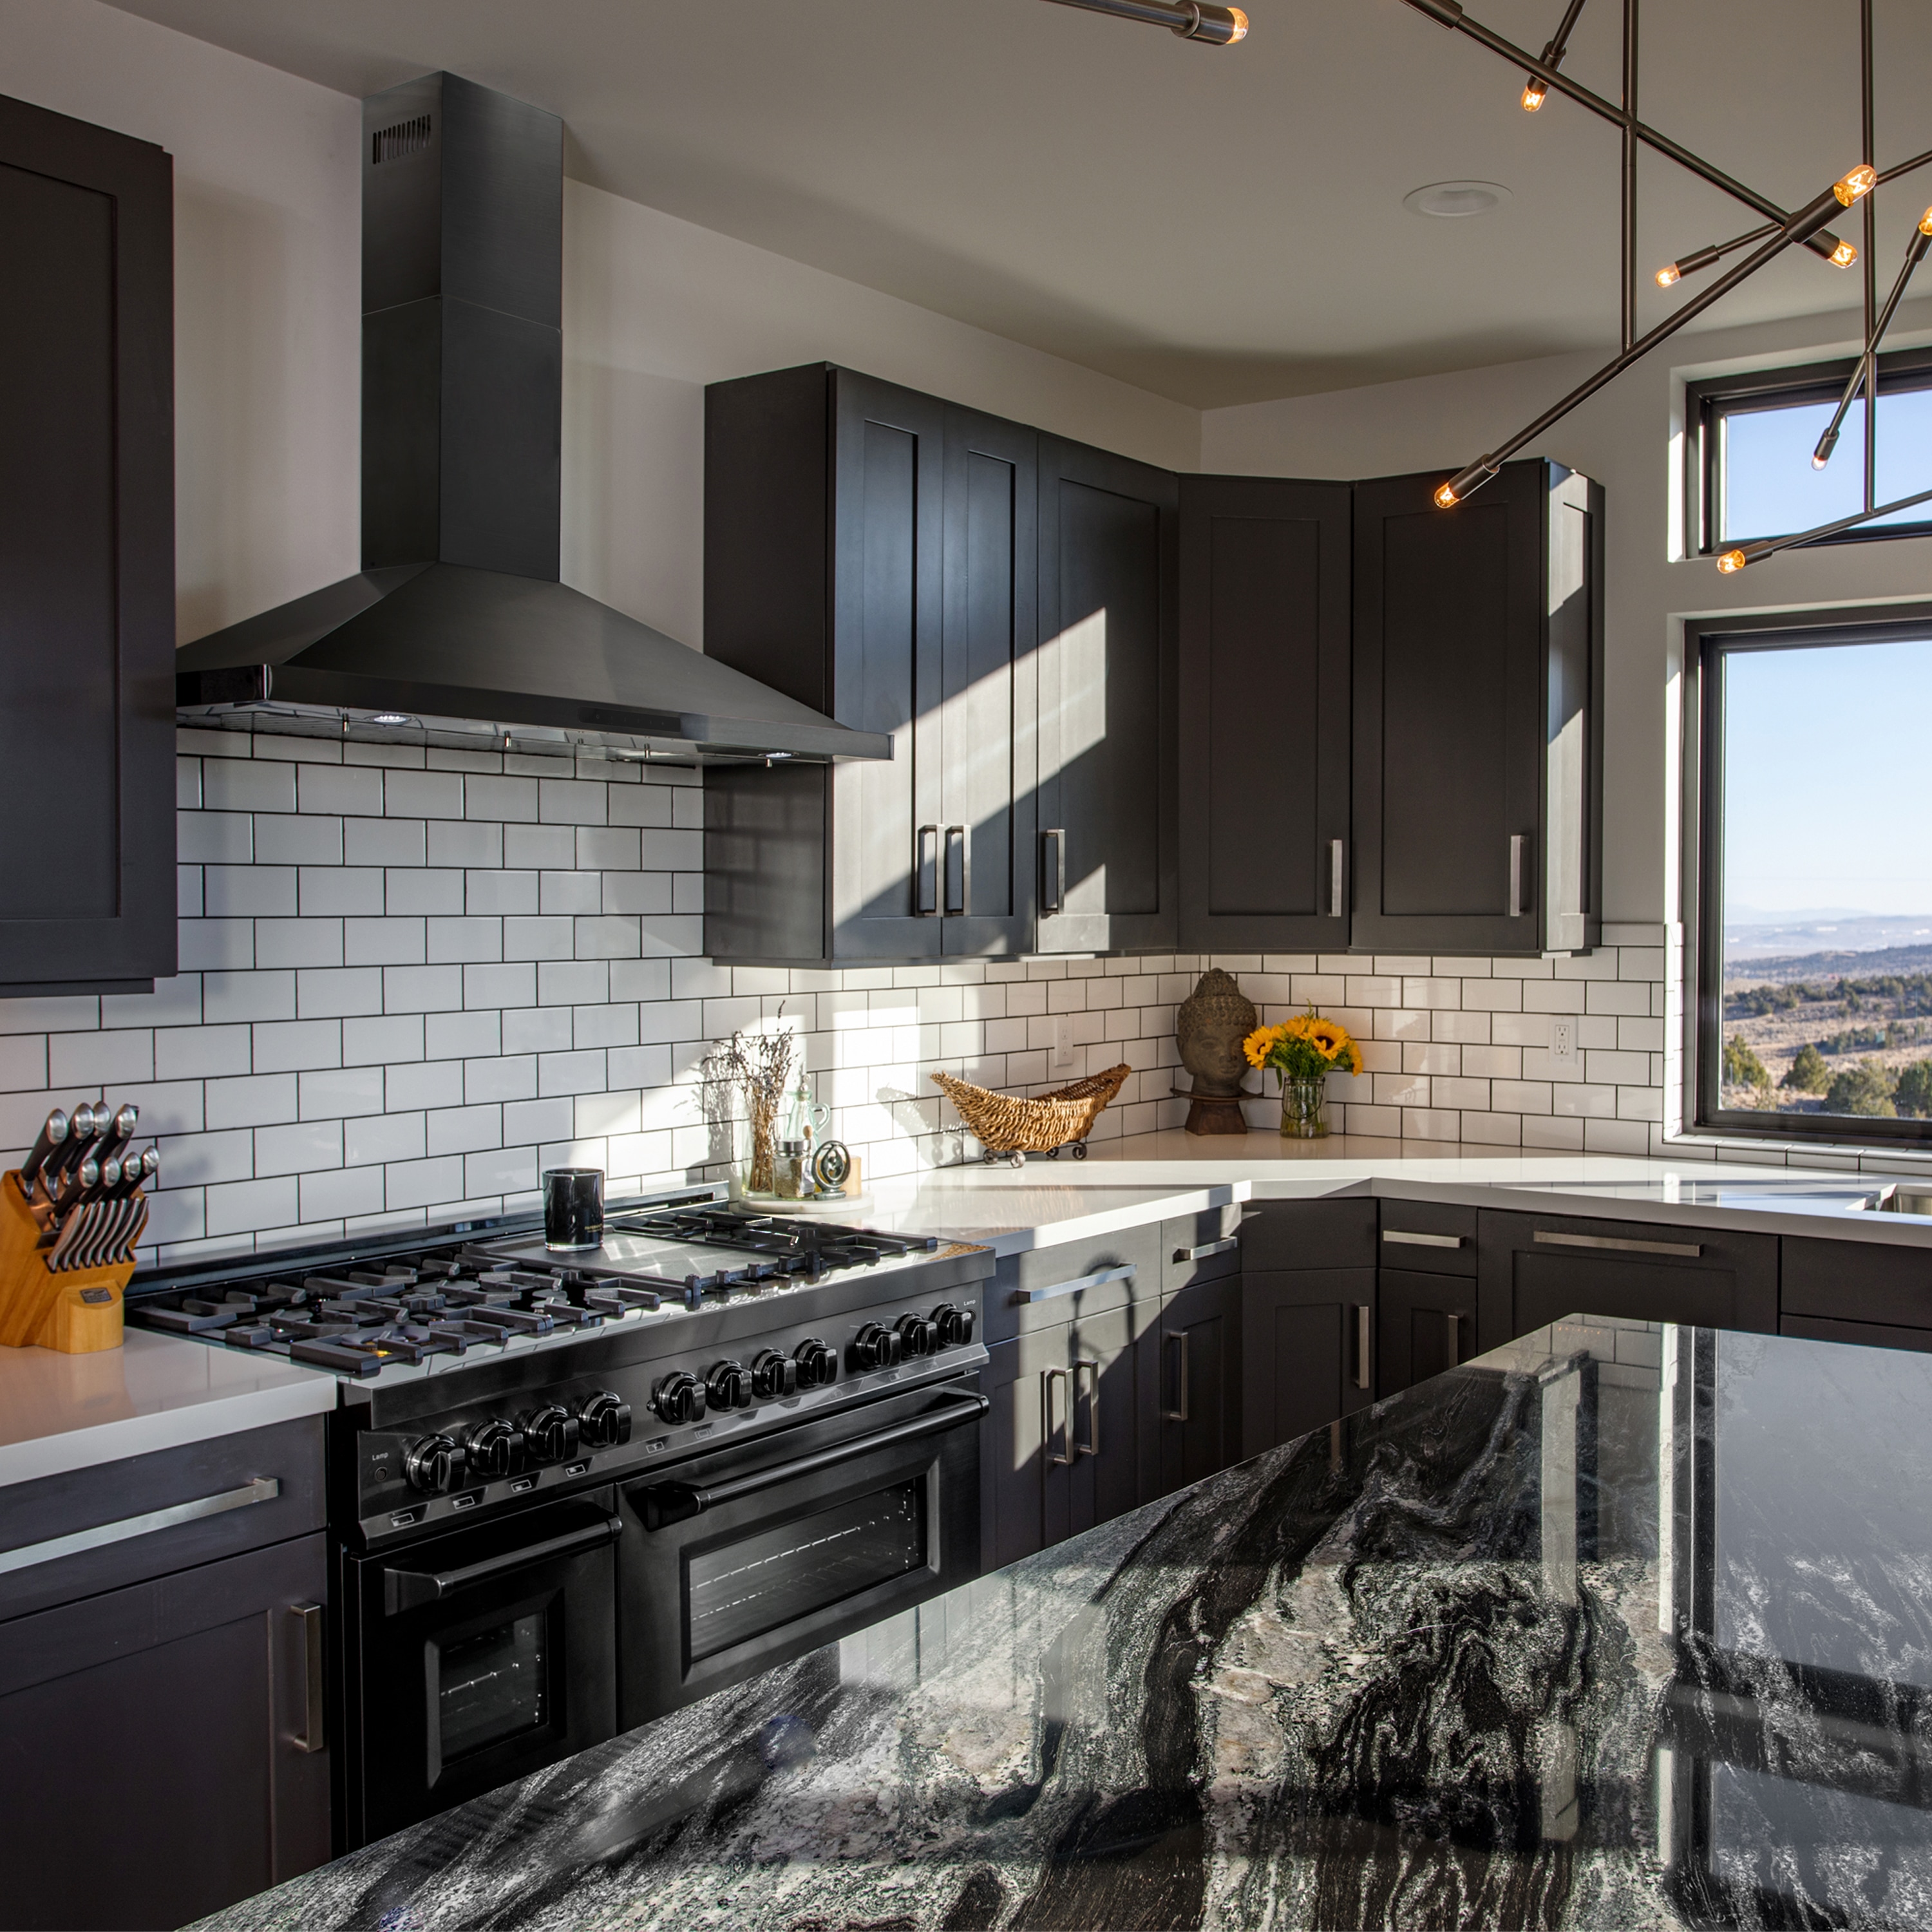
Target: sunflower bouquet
{"x": 1303, "y": 1052}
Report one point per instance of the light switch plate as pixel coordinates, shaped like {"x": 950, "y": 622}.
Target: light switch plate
{"x": 1065, "y": 1053}
{"x": 1563, "y": 1043}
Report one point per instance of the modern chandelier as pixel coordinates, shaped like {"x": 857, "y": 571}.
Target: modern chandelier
{"x": 1777, "y": 229}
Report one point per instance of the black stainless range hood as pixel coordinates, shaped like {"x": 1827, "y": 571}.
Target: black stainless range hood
{"x": 457, "y": 629}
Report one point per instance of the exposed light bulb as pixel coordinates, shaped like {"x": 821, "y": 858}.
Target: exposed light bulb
{"x": 1669, "y": 277}
{"x": 1861, "y": 180}
{"x": 1731, "y": 562}
{"x": 1446, "y": 498}
{"x": 1533, "y": 96}
{"x": 1449, "y": 494}
{"x": 1925, "y": 223}
{"x": 1843, "y": 255}
{"x": 1240, "y": 21}
{"x": 1827, "y": 443}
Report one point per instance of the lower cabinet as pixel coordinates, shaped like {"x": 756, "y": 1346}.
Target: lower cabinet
{"x": 1307, "y": 1351}
{"x": 1534, "y": 1268}
{"x": 1425, "y": 1324}
{"x": 1193, "y": 1363}
{"x": 1880, "y": 1296}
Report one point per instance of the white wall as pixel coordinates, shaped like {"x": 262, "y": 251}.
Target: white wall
{"x": 1626, "y": 437}
{"x": 268, "y": 277}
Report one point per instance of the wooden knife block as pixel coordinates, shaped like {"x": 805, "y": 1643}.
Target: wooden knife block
{"x": 74, "y": 1314}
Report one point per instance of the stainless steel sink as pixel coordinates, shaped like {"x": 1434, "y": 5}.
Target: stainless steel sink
{"x": 1899, "y": 1199}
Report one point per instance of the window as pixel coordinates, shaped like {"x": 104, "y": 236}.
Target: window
{"x": 1814, "y": 937}
{"x": 1751, "y": 444}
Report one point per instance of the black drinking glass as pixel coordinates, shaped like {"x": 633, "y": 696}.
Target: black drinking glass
{"x": 573, "y": 1207}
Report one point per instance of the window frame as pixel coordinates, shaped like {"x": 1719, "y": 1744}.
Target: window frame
{"x": 1707, "y": 641}
{"x": 1707, "y": 399}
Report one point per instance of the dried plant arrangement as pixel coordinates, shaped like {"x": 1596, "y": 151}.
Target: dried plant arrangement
{"x": 760, "y": 1065}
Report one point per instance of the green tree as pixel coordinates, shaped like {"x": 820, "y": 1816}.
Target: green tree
{"x": 1862, "y": 1089}
{"x": 1914, "y": 1092}
{"x": 1742, "y": 1067}
{"x": 1809, "y": 1073}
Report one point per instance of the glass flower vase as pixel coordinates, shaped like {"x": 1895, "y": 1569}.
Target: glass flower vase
{"x": 1303, "y": 1102}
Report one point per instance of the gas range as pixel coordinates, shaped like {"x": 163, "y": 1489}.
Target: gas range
{"x": 384, "y": 1310}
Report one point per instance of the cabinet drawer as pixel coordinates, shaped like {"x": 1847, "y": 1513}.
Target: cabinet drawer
{"x": 1856, "y": 1281}
{"x": 1309, "y": 1234}
{"x": 1861, "y": 1334}
{"x": 1206, "y": 1247}
{"x": 1426, "y": 1239}
{"x": 168, "y": 1510}
{"x": 1047, "y": 1286}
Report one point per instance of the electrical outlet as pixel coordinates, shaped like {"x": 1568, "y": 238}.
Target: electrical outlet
{"x": 1563, "y": 1043}
{"x": 1065, "y": 1053}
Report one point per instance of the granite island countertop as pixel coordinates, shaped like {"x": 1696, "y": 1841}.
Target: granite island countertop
{"x": 1621, "y": 1626}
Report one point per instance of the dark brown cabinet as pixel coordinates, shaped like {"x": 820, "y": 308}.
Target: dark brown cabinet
{"x": 1264, "y": 714}
{"x": 1533, "y": 1269}
{"x": 871, "y": 551}
{"x": 1861, "y": 1292}
{"x": 180, "y": 1663}
{"x": 1106, "y": 667}
{"x": 1425, "y": 1324}
{"x": 87, "y": 553}
{"x": 1477, "y": 715}
{"x": 1193, "y": 1361}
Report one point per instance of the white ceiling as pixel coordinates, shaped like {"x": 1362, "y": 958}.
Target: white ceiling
{"x": 1216, "y": 225}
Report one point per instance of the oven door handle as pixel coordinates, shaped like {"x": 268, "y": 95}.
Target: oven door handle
{"x": 407, "y": 1589}
{"x": 664, "y": 1503}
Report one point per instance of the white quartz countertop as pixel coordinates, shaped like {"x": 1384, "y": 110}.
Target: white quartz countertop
{"x": 61, "y": 1412}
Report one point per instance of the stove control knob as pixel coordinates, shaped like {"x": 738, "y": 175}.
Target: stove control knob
{"x": 728, "y": 1385}
{"x": 817, "y": 1363}
{"x": 433, "y": 1464}
{"x": 679, "y": 1397}
{"x": 875, "y": 1348}
{"x": 550, "y": 1433}
{"x": 774, "y": 1376}
{"x": 955, "y": 1325}
{"x": 917, "y": 1336}
{"x": 603, "y": 1421}
{"x": 492, "y": 1449}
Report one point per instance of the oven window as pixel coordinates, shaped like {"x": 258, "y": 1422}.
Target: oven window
{"x": 760, "y": 1583}
{"x": 491, "y": 1686}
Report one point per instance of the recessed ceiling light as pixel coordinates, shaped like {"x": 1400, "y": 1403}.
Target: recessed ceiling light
{"x": 391, "y": 717}
{"x": 1449, "y": 201}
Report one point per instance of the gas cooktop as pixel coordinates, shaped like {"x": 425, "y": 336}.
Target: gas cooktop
{"x": 428, "y": 1307}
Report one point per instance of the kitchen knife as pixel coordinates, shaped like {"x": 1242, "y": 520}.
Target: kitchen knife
{"x": 68, "y": 1240}
{"x": 81, "y": 1127}
{"x": 119, "y": 1132}
{"x": 51, "y": 1136}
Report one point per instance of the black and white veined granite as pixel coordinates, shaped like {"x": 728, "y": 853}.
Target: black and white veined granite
{"x": 1621, "y": 1627}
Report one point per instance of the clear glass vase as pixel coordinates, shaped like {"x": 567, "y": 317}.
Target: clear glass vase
{"x": 1302, "y": 1104}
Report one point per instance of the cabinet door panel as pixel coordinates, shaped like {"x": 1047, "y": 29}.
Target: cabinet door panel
{"x": 1107, "y": 581}
{"x": 888, "y": 572}
{"x": 1303, "y": 1363}
{"x": 1196, "y": 1409}
{"x": 1264, "y": 603}
{"x": 986, "y": 744}
{"x": 87, "y": 550}
{"x": 1533, "y": 1269}
{"x": 1106, "y": 1478}
{"x": 1425, "y": 1324}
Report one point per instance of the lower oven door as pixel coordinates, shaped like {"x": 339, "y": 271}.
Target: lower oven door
{"x": 733, "y": 1562}
{"x": 480, "y": 1655}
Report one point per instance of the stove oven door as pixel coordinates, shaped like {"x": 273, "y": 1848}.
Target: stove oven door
{"x": 733, "y": 1562}
{"x": 479, "y": 1656}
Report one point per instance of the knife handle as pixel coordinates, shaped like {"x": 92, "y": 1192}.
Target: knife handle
{"x": 83, "y": 1125}
{"x": 51, "y": 1135}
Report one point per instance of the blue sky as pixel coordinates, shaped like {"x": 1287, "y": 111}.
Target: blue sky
{"x": 1770, "y": 489}
{"x": 1829, "y": 777}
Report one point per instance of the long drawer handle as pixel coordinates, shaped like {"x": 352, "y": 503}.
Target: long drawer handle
{"x": 1048, "y": 1377}
{"x": 1091, "y": 1447}
{"x": 921, "y": 909}
{"x": 1405, "y": 1237}
{"x": 1690, "y": 1250}
{"x": 313, "y": 1736}
{"x": 1206, "y": 1248}
{"x": 666, "y": 1503}
{"x": 1053, "y": 881}
{"x": 1517, "y": 855}
{"x": 964, "y": 835}
{"x": 263, "y": 1489}
{"x": 1179, "y": 1411}
{"x": 1336, "y": 906}
{"x": 404, "y": 1589}
{"x": 1098, "y": 1280}
{"x": 1362, "y": 1344}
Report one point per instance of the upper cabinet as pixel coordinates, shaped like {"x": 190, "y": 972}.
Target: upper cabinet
{"x": 86, "y": 556}
{"x": 1264, "y": 714}
{"x": 1477, "y": 667}
{"x": 1108, "y": 790}
{"x": 871, "y": 551}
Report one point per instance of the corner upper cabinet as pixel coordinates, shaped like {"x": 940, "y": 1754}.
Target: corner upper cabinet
{"x": 869, "y": 550}
{"x": 1107, "y": 675}
{"x": 1477, "y": 641}
{"x": 1264, "y": 714}
{"x": 87, "y": 617}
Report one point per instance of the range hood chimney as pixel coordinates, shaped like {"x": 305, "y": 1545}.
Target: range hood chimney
{"x": 457, "y": 630}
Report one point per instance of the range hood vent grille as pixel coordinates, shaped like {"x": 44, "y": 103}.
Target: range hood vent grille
{"x": 405, "y": 139}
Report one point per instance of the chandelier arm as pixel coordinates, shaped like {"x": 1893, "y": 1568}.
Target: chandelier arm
{"x": 1864, "y": 376}
{"x": 1904, "y": 167}
{"x": 1756, "y": 553}
{"x": 1627, "y": 273}
{"x": 1192, "y": 19}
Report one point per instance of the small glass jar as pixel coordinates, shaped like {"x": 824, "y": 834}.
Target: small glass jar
{"x": 788, "y": 1181}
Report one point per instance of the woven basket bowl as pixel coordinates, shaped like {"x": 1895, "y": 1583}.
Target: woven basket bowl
{"x": 1005, "y": 1123}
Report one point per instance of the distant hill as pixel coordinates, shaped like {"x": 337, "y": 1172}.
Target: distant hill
{"x": 1751, "y": 934}
{"x": 1825, "y": 966}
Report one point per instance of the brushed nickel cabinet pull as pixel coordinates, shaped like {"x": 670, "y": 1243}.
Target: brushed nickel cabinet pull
{"x": 1206, "y": 1249}
{"x": 1099, "y": 1279}
{"x": 1517, "y": 842}
{"x": 263, "y": 1489}
{"x": 1335, "y": 908}
{"x": 1690, "y": 1251}
{"x": 1053, "y": 881}
{"x": 1047, "y": 1376}
{"x": 1179, "y": 1412}
{"x": 1091, "y": 1447}
{"x": 1362, "y": 1312}
{"x": 1455, "y": 1321}
{"x": 1404, "y": 1237}
{"x": 924, "y": 900}
{"x": 964, "y": 836}
{"x": 313, "y": 1736}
